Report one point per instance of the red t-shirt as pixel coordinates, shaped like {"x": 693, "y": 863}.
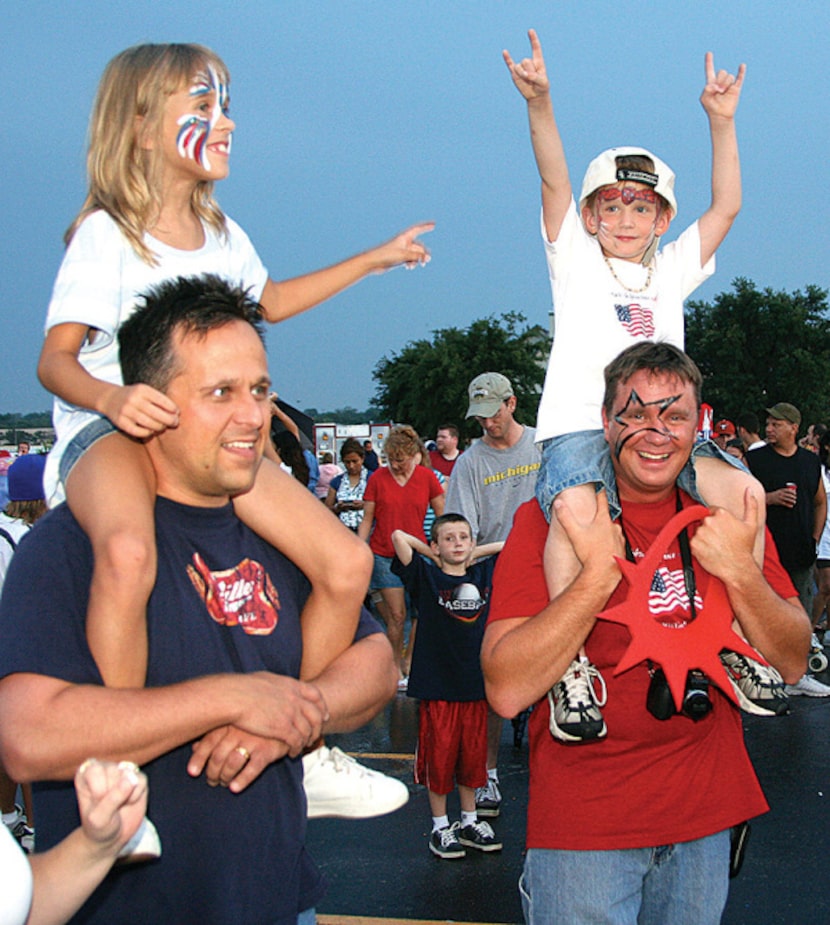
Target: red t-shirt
{"x": 444, "y": 466}
{"x": 649, "y": 782}
{"x": 399, "y": 507}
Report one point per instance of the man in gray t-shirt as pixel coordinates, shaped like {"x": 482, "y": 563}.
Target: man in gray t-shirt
{"x": 498, "y": 473}
{"x": 489, "y": 483}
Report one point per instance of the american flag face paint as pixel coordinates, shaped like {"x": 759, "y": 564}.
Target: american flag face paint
{"x": 195, "y": 128}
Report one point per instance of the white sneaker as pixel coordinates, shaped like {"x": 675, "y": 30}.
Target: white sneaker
{"x": 337, "y": 785}
{"x": 808, "y": 686}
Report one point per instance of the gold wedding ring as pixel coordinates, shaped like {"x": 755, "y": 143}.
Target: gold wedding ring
{"x": 241, "y": 750}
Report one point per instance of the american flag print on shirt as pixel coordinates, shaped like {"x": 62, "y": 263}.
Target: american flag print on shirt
{"x": 638, "y": 321}
{"x": 668, "y": 595}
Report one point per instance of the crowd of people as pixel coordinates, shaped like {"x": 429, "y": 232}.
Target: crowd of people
{"x": 219, "y": 598}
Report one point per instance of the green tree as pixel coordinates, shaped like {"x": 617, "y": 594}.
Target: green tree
{"x": 425, "y": 384}
{"x": 756, "y": 347}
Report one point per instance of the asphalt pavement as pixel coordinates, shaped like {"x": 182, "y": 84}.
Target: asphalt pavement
{"x": 382, "y": 868}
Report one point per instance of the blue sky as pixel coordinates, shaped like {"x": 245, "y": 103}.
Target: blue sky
{"x": 356, "y": 119}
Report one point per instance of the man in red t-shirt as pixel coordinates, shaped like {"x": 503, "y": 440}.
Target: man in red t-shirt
{"x": 638, "y": 821}
{"x": 443, "y": 458}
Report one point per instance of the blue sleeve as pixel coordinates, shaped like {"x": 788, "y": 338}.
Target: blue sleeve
{"x": 43, "y": 608}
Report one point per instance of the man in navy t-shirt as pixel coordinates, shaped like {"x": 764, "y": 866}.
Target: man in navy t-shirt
{"x": 224, "y": 650}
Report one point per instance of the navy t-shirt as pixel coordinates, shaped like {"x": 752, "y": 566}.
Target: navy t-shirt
{"x": 452, "y": 613}
{"x": 224, "y": 601}
{"x": 791, "y": 528}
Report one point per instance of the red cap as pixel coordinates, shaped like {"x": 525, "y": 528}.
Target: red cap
{"x": 724, "y": 428}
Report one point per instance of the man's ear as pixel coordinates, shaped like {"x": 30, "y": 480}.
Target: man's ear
{"x": 604, "y": 422}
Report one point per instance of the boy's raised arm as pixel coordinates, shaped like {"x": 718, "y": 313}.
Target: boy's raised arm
{"x": 531, "y": 79}
{"x": 405, "y": 545}
{"x": 720, "y": 101}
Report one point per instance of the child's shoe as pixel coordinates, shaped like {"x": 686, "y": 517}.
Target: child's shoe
{"x": 479, "y": 835}
{"x": 337, "y": 785}
{"x": 145, "y": 845}
{"x": 444, "y": 842}
{"x": 488, "y": 799}
{"x": 575, "y": 714}
{"x": 760, "y": 688}
{"x": 23, "y": 833}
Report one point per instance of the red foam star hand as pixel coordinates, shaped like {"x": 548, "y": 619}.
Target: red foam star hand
{"x": 677, "y": 650}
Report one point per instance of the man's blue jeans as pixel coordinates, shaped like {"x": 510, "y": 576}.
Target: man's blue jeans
{"x": 681, "y": 884}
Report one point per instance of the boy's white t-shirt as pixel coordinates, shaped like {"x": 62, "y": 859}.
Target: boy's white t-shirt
{"x": 98, "y": 284}
{"x": 596, "y": 317}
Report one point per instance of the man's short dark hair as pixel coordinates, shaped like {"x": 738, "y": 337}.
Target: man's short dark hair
{"x": 190, "y": 305}
{"x": 450, "y": 428}
{"x": 658, "y": 358}
{"x": 446, "y": 519}
{"x": 750, "y": 422}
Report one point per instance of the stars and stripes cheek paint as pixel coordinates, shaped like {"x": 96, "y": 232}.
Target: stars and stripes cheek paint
{"x": 195, "y": 128}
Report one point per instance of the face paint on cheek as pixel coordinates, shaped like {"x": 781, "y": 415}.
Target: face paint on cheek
{"x": 194, "y": 130}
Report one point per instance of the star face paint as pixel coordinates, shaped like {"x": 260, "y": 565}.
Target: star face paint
{"x": 195, "y": 128}
{"x": 636, "y": 417}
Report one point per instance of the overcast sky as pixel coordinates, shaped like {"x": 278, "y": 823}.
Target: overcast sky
{"x": 356, "y": 119}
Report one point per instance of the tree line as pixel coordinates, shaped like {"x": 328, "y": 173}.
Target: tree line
{"x": 755, "y": 347}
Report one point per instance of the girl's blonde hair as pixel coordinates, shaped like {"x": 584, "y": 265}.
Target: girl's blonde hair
{"x": 124, "y": 176}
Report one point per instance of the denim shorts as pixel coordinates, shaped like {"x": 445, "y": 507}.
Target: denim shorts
{"x": 682, "y": 884}
{"x": 88, "y": 435}
{"x": 382, "y": 576}
{"x": 583, "y": 458}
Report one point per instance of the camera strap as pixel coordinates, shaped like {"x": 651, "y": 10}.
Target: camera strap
{"x": 685, "y": 556}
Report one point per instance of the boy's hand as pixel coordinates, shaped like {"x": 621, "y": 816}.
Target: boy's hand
{"x": 722, "y": 91}
{"x": 140, "y": 410}
{"x": 529, "y": 74}
{"x": 112, "y": 800}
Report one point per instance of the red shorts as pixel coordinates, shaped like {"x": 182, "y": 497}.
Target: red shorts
{"x": 452, "y": 745}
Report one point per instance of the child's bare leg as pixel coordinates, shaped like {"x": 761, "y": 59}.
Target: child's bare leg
{"x": 467, "y": 798}
{"x": 111, "y": 491}
{"x": 438, "y": 804}
{"x": 560, "y": 560}
{"x": 336, "y": 562}
{"x": 722, "y": 485}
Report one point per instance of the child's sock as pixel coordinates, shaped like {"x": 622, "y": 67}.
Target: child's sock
{"x": 493, "y": 774}
{"x": 440, "y": 822}
{"x": 468, "y": 819}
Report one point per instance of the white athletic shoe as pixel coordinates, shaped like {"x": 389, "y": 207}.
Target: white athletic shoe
{"x": 808, "y": 686}
{"x": 337, "y": 785}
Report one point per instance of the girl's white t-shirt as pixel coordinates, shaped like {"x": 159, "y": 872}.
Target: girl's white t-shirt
{"x": 98, "y": 285}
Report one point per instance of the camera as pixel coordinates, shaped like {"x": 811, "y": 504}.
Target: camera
{"x": 696, "y": 700}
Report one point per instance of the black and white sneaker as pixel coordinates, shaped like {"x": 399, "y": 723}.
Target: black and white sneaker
{"x": 444, "y": 842}
{"x": 760, "y": 688}
{"x": 488, "y": 799}
{"x": 479, "y": 835}
{"x": 23, "y": 833}
{"x": 575, "y": 714}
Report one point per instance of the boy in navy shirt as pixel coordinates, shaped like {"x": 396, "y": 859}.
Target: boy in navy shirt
{"x": 450, "y": 583}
